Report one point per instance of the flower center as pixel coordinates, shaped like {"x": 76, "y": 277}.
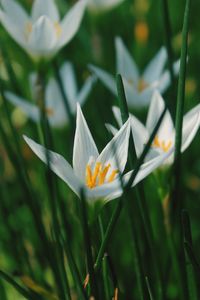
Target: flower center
{"x": 29, "y": 28}
{"x": 58, "y": 29}
{"x": 98, "y": 176}
{"x": 141, "y": 84}
{"x": 165, "y": 146}
{"x": 49, "y": 111}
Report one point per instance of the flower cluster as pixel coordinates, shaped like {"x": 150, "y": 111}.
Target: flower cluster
{"x": 102, "y": 175}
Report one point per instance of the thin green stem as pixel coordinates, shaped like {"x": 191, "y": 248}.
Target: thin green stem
{"x": 180, "y": 105}
{"x": 86, "y": 233}
{"x": 187, "y": 235}
{"x": 19, "y": 288}
{"x": 168, "y": 35}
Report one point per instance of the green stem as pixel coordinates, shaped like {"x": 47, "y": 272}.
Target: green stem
{"x": 168, "y": 35}
{"x": 187, "y": 235}
{"x": 180, "y": 105}
{"x": 86, "y": 233}
{"x": 16, "y": 286}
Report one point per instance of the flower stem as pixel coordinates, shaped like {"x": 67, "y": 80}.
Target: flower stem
{"x": 180, "y": 107}
{"x": 86, "y": 233}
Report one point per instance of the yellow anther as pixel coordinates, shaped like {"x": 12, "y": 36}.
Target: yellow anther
{"x": 98, "y": 176}
{"x": 49, "y": 111}
{"x": 112, "y": 176}
{"x": 58, "y": 29}
{"x": 103, "y": 174}
{"x": 96, "y": 173}
{"x": 88, "y": 176}
{"x": 156, "y": 142}
{"x": 165, "y": 146}
{"x": 28, "y": 29}
{"x": 142, "y": 85}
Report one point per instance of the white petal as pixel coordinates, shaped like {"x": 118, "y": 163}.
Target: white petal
{"x": 70, "y": 86}
{"x": 154, "y": 70}
{"x": 45, "y": 8}
{"x": 164, "y": 80}
{"x": 106, "y": 78}
{"x": 117, "y": 115}
{"x": 140, "y": 134}
{"x": 105, "y": 191}
{"x": 166, "y": 130}
{"x": 151, "y": 165}
{"x": 14, "y": 30}
{"x": 55, "y": 105}
{"x": 116, "y": 151}
{"x": 28, "y": 108}
{"x": 126, "y": 66}
{"x": 111, "y": 129}
{"x": 136, "y": 99}
{"x": 42, "y": 38}
{"x": 16, "y": 13}
{"x": 69, "y": 81}
{"x": 57, "y": 164}
{"x": 86, "y": 89}
{"x": 191, "y": 122}
{"x": 71, "y": 22}
{"x": 84, "y": 146}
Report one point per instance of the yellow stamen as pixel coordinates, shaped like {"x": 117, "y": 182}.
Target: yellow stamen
{"x": 28, "y": 29}
{"x": 156, "y": 142}
{"x": 165, "y": 146}
{"x": 58, "y": 29}
{"x": 98, "y": 176}
{"x": 96, "y": 173}
{"x": 142, "y": 85}
{"x": 49, "y": 111}
{"x": 112, "y": 176}
{"x": 103, "y": 174}
{"x": 88, "y": 176}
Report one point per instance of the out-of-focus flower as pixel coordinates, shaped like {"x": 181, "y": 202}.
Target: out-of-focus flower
{"x": 141, "y": 32}
{"x": 164, "y": 141}
{"x": 43, "y": 33}
{"x": 138, "y": 87}
{"x": 54, "y": 102}
{"x": 97, "y": 173}
{"x": 101, "y": 5}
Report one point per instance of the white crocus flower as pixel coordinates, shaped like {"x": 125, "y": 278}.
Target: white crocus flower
{"x": 101, "y": 5}
{"x": 164, "y": 141}
{"x": 97, "y": 173}
{"x": 54, "y": 102}
{"x": 138, "y": 87}
{"x": 43, "y": 33}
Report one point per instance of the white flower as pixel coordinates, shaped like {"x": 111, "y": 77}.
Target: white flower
{"x": 54, "y": 102}
{"x": 138, "y": 87}
{"x": 101, "y": 5}
{"x": 43, "y": 33}
{"x": 97, "y": 173}
{"x": 164, "y": 141}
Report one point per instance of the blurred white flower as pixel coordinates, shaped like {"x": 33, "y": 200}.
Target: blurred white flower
{"x": 43, "y": 33}
{"x": 164, "y": 141}
{"x": 101, "y": 5}
{"x": 97, "y": 173}
{"x": 54, "y": 102}
{"x": 139, "y": 88}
